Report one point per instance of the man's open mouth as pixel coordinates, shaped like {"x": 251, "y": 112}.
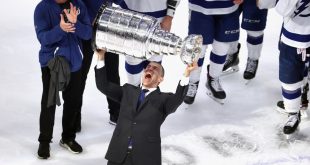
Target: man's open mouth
{"x": 148, "y": 76}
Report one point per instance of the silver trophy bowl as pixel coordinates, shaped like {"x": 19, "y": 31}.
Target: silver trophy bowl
{"x": 133, "y": 34}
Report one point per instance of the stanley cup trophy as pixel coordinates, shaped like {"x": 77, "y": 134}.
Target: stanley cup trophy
{"x": 138, "y": 35}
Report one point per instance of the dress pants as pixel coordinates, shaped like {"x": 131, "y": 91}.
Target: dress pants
{"x": 47, "y": 116}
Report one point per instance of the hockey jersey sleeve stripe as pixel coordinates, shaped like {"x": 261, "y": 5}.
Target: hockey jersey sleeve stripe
{"x": 296, "y": 37}
{"x": 213, "y": 4}
{"x": 156, "y": 14}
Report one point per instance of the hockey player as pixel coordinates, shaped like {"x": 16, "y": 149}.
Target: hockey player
{"x": 163, "y": 10}
{"x": 294, "y": 49}
{"x": 218, "y": 22}
{"x": 254, "y": 22}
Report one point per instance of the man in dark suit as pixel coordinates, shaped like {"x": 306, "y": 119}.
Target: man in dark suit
{"x": 136, "y": 138}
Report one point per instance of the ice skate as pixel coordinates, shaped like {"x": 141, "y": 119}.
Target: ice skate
{"x": 292, "y": 137}
{"x": 215, "y": 90}
{"x": 290, "y": 128}
{"x": 209, "y": 93}
{"x": 231, "y": 63}
{"x": 231, "y": 70}
{"x": 250, "y": 70}
{"x": 191, "y": 93}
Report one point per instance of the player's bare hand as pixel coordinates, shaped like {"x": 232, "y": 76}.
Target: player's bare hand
{"x": 166, "y": 23}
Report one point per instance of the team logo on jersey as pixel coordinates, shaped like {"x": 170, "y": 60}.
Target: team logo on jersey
{"x": 227, "y": 32}
{"x": 251, "y": 20}
{"x": 304, "y": 5}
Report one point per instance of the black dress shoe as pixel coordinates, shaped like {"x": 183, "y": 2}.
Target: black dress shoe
{"x": 44, "y": 151}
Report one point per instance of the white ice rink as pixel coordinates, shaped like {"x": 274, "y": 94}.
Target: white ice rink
{"x": 244, "y": 131}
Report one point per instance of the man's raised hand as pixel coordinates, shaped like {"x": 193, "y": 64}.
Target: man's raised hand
{"x": 72, "y": 16}
{"x": 190, "y": 68}
{"x": 100, "y": 54}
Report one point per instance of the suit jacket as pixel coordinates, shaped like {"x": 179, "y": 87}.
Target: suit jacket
{"x": 141, "y": 124}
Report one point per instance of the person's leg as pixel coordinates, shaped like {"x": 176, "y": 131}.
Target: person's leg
{"x": 47, "y": 117}
{"x": 254, "y": 22}
{"x": 304, "y": 95}
{"x": 227, "y": 33}
{"x": 291, "y": 74}
{"x": 227, "y": 30}
{"x": 217, "y": 58}
{"x": 232, "y": 59}
{"x": 203, "y": 25}
{"x": 86, "y": 63}
{"x": 70, "y": 109}
{"x": 112, "y": 66}
{"x": 255, "y": 44}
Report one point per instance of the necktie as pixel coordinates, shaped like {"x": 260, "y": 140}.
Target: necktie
{"x": 141, "y": 97}
{"x": 140, "y": 100}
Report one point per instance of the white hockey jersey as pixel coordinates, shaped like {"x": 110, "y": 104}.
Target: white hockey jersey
{"x": 155, "y": 8}
{"x": 296, "y": 24}
{"x": 213, "y": 7}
